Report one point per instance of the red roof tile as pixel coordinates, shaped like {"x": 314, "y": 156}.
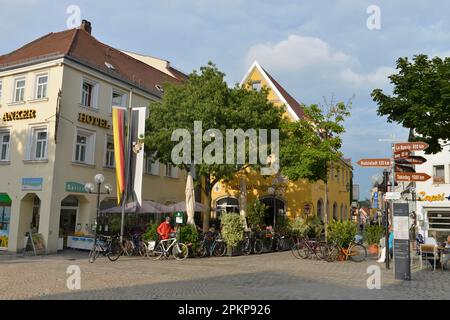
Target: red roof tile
{"x": 84, "y": 48}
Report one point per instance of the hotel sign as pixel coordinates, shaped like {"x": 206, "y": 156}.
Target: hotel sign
{"x": 32, "y": 184}
{"x": 19, "y": 115}
{"x": 95, "y": 121}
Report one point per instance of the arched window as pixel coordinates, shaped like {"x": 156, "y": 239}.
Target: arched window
{"x": 335, "y": 211}
{"x": 342, "y": 211}
{"x": 280, "y": 209}
{"x": 227, "y": 204}
{"x": 320, "y": 212}
{"x": 345, "y": 217}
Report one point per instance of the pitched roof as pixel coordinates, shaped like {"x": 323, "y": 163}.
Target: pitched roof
{"x": 284, "y": 96}
{"x": 82, "y": 47}
{"x": 290, "y": 100}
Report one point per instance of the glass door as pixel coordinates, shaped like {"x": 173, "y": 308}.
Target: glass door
{"x": 67, "y": 222}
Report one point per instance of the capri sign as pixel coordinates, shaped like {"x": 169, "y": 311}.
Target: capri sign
{"x": 75, "y": 187}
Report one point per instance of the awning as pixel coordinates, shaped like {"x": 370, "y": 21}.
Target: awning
{"x": 4, "y": 199}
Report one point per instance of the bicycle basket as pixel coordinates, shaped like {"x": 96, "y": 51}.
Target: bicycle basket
{"x": 172, "y": 234}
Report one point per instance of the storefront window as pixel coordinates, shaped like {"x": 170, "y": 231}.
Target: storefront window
{"x": 5, "y": 217}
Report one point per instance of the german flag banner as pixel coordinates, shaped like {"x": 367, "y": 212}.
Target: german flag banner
{"x": 118, "y": 118}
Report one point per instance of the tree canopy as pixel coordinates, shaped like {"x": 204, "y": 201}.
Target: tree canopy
{"x": 420, "y": 100}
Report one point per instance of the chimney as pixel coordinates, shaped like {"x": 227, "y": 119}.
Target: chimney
{"x": 86, "y": 26}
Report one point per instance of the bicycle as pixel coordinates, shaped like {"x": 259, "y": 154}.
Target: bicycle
{"x": 355, "y": 252}
{"x": 134, "y": 246}
{"x": 167, "y": 247}
{"x": 251, "y": 243}
{"x": 305, "y": 248}
{"x": 108, "y": 246}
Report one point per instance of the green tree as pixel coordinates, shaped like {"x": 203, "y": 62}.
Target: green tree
{"x": 420, "y": 100}
{"x": 256, "y": 211}
{"x": 206, "y": 97}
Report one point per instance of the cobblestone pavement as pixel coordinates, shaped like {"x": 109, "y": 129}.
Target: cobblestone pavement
{"x": 266, "y": 276}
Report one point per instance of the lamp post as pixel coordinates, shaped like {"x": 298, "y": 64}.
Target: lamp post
{"x": 90, "y": 188}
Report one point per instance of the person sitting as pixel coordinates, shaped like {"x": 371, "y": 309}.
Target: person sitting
{"x": 446, "y": 254}
{"x": 165, "y": 229}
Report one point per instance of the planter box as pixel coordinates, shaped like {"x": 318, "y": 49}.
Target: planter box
{"x": 233, "y": 251}
{"x": 373, "y": 249}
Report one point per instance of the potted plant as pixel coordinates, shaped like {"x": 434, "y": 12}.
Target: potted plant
{"x": 188, "y": 235}
{"x": 232, "y": 232}
{"x": 341, "y": 233}
{"x": 372, "y": 235}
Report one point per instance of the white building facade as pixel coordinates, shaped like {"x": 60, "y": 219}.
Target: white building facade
{"x": 433, "y": 196}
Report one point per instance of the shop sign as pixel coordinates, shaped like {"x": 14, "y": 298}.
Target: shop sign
{"x": 19, "y": 115}
{"x": 32, "y": 184}
{"x": 75, "y": 187}
{"x": 95, "y": 121}
{"x": 422, "y": 196}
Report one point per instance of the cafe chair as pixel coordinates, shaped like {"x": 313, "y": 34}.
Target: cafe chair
{"x": 428, "y": 252}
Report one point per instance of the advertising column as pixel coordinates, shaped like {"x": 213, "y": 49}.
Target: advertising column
{"x": 402, "y": 265}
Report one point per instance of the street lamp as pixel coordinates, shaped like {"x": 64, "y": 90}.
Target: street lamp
{"x": 90, "y": 188}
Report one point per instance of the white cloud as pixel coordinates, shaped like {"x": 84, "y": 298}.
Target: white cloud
{"x": 377, "y": 78}
{"x": 298, "y": 53}
{"x": 295, "y": 53}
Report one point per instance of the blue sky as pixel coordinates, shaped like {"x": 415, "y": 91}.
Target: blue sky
{"x": 313, "y": 48}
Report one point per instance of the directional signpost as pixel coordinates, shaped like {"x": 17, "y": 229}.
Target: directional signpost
{"x": 411, "y": 176}
{"x": 377, "y": 163}
{"x": 410, "y": 146}
{"x": 401, "y": 164}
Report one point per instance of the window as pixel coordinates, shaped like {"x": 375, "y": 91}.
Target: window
{"x": 438, "y": 174}
{"x": 171, "y": 171}
{"x": 1, "y": 87}
{"x": 256, "y": 85}
{"x": 118, "y": 99}
{"x": 4, "y": 145}
{"x": 41, "y": 86}
{"x": 39, "y": 144}
{"x": 84, "y": 147}
{"x": 19, "y": 90}
{"x": 109, "y": 161}
{"x": 151, "y": 166}
{"x": 89, "y": 93}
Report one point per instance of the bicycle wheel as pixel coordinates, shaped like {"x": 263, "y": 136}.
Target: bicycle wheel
{"x": 332, "y": 253}
{"x": 247, "y": 247}
{"x": 358, "y": 253}
{"x": 303, "y": 250}
{"x": 321, "y": 251}
{"x": 219, "y": 249}
{"x": 202, "y": 250}
{"x": 114, "y": 250}
{"x": 294, "y": 250}
{"x": 159, "y": 251}
{"x": 258, "y": 246}
{"x": 180, "y": 251}
{"x": 142, "y": 249}
{"x": 93, "y": 254}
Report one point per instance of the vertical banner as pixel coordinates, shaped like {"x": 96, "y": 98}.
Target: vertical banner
{"x": 137, "y": 152}
{"x": 118, "y": 118}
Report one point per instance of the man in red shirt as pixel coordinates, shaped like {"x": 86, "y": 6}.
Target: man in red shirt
{"x": 164, "y": 229}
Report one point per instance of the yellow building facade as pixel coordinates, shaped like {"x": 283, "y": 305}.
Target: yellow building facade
{"x": 290, "y": 198}
{"x": 56, "y": 95}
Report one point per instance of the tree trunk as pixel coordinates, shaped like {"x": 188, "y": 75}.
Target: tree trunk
{"x": 207, "y": 213}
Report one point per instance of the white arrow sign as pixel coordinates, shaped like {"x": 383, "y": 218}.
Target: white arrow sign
{"x": 392, "y": 196}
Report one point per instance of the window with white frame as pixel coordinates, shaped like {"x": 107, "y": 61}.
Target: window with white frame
{"x": 438, "y": 174}
{"x": 5, "y": 137}
{"x": 151, "y": 165}
{"x": 256, "y": 85}
{"x": 84, "y": 146}
{"x": 19, "y": 90}
{"x": 41, "y": 86}
{"x": 39, "y": 142}
{"x": 89, "y": 94}
{"x": 171, "y": 171}
{"x": 118, "y": 99}
{"x": 109, "y": 160}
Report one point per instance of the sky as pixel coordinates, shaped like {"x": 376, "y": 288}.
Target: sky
{"x": 315, "y": 49}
